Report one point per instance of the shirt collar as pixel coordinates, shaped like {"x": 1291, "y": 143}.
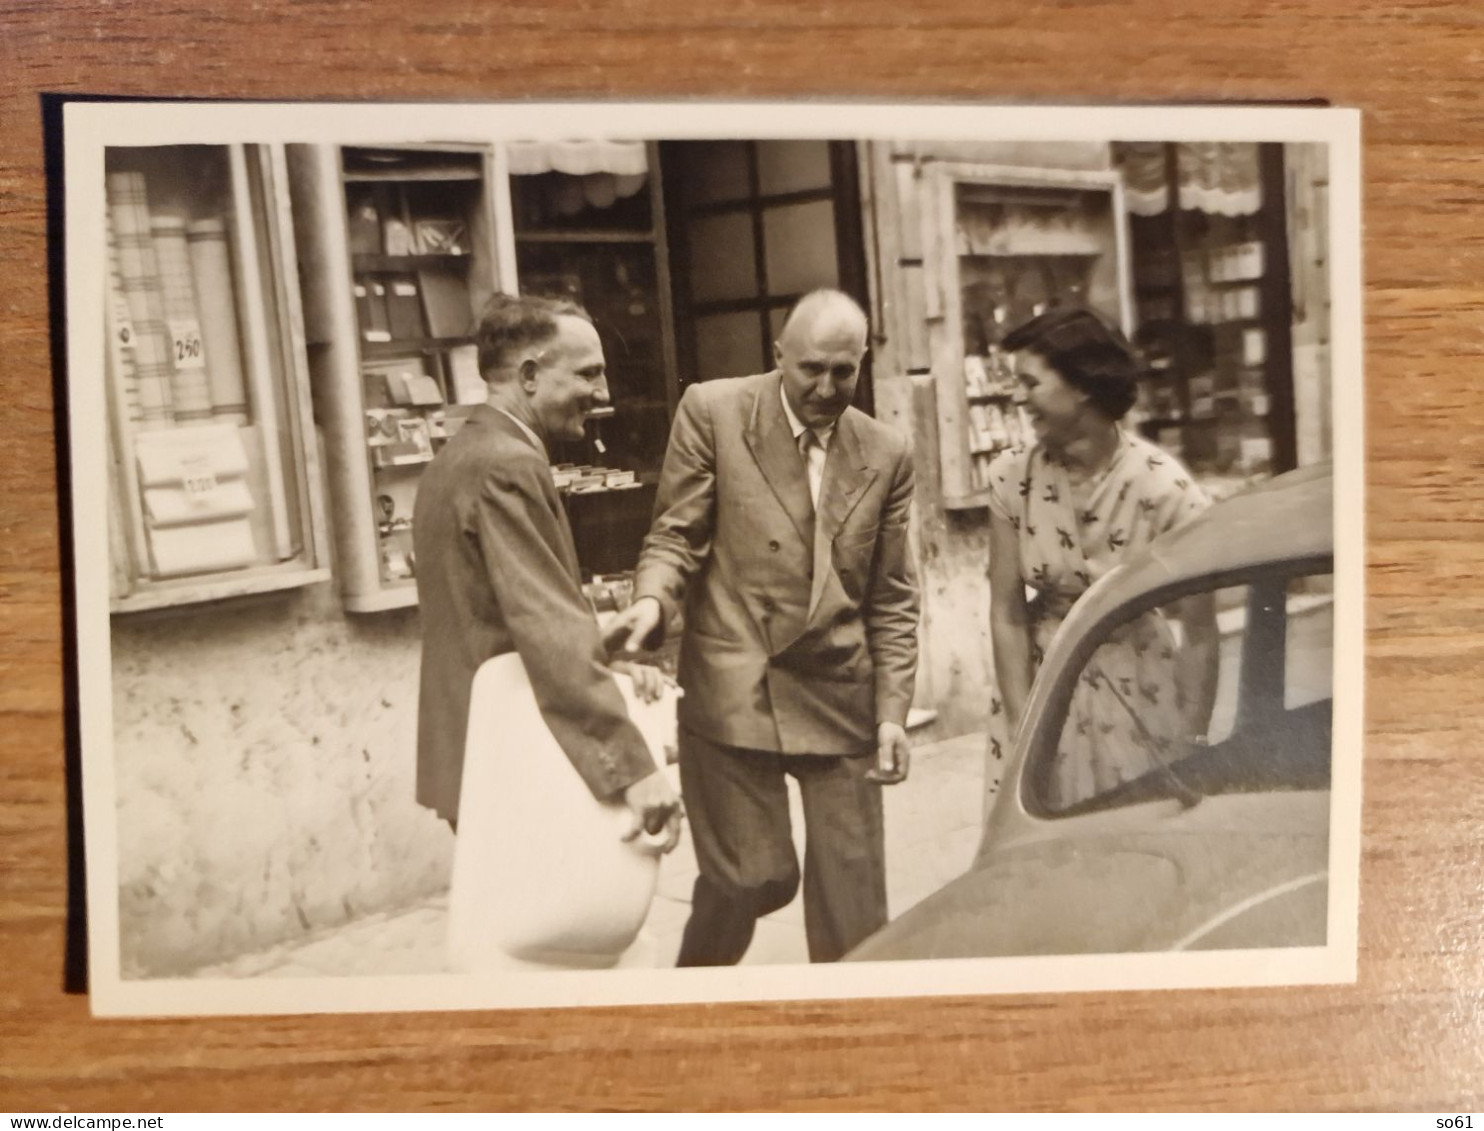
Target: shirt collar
{"x": 526, "y": 428}
{"x": 797, "y": 426}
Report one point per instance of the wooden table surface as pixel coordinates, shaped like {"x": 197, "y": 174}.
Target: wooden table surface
{"x": 1408, "y": 1035}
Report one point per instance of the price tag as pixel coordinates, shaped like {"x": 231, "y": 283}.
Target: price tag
{"x": 197, "y": 479}
{"x": 200, "y": 487}
{"x": 186, "y": 350}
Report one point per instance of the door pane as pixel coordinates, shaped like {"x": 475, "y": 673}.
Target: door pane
{"x": 792, "y": 166}
{"x": 800, "y": 242}
{"x": 723, "y": 264}
{"x": 728, "y": 345}
{"x": 776, "y": 318}
{"x": 714, "y": 172}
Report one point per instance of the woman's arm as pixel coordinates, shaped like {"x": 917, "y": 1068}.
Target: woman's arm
{"x": 1009, "y": 620}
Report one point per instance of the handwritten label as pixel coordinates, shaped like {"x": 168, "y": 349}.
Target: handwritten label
{"x": 197, "y": 479}
{"x": 186, "y": 349}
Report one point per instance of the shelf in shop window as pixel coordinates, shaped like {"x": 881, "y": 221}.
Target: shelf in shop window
{"x": 368, "y": 262}
{"x": 587, "y": 235}
{"x": 402, "y": 347}
{"x": 400, "y": 464}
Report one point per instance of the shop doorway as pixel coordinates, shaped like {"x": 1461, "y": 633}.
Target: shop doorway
{"x": 752, "y": 227}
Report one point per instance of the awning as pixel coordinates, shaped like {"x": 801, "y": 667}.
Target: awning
{"x": 602, "y": 172}
{"x": 578, "y": 158}
{"x": 1220, "y": 178}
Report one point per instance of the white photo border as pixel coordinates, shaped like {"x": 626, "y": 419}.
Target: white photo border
{"x": 90, "y": 127}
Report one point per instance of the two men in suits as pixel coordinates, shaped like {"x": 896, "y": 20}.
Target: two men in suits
{"x": 497, "y": 571}
{"x": 781, "y": 526}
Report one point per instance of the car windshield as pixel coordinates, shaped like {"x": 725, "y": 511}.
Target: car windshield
{"x": 1222, "y": 690}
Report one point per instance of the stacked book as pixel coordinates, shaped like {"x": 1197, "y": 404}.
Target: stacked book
{"x": 174, "y": 310}
{"x": 587, "y": 480}
{"x": 179, "y": 385}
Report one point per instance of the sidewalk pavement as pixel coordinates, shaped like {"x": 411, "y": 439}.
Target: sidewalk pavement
{"x": 932, "y": 832}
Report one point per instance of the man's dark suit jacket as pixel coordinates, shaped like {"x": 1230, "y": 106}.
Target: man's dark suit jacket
{"x": 800, "y": 630}
{"x": 497, "y": 573}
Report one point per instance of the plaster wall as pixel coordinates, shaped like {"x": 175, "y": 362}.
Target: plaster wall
{"x": 264, "y": 755}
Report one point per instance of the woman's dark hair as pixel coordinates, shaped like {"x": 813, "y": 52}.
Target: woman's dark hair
{"x": 1089, "y": 354}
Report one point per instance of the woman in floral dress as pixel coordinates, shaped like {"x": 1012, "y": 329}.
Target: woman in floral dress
{"x": 1064, "y": 510}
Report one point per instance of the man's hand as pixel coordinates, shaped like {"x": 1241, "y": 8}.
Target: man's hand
{"x": 649, "y": 683}
{"x": 631, "y": 628}
{"x": 893, "y": 755}
{"x": 656, "y": 808}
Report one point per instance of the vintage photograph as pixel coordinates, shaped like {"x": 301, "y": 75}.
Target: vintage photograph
{"x": 594, "y": 554}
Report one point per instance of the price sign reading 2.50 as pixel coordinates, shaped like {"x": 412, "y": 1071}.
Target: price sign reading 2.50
{"x": 187, "y": 351}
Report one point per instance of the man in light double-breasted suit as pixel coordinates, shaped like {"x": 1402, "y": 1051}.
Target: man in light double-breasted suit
{"x": 781, "y": 524}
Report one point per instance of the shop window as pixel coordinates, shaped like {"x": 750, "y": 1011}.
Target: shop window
{"x": 1214, "y": 306}
{"x": 1000, "y": 246}
{"x": 398, "y": 257}
{"x": 213, "y": 462}
{"x": 405, "y": 246}
{"x": 592, "y": 236}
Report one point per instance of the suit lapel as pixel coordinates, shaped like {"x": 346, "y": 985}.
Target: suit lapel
{"x": 846, "y": 477}
{"x": 510, "y": 434}
{"x": 772, "y": 446}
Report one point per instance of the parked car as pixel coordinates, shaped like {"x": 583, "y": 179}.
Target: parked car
{"x": 1225, "y": 842}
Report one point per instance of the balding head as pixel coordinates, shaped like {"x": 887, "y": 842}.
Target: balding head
{"x": 819, "y": 353}
{"x": 826, "y": 313}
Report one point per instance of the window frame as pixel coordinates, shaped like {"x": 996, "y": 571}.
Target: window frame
{"x": 943, "y": 296}
{"x": 270, "y": 313}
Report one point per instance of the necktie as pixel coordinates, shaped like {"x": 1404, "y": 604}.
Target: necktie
{"x": 814, "y": 454}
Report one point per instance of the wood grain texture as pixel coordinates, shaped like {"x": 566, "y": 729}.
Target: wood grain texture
{"x": 1407, "y": 1036}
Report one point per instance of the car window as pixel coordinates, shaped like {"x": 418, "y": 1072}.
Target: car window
{"x": 1220, "y": 690}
